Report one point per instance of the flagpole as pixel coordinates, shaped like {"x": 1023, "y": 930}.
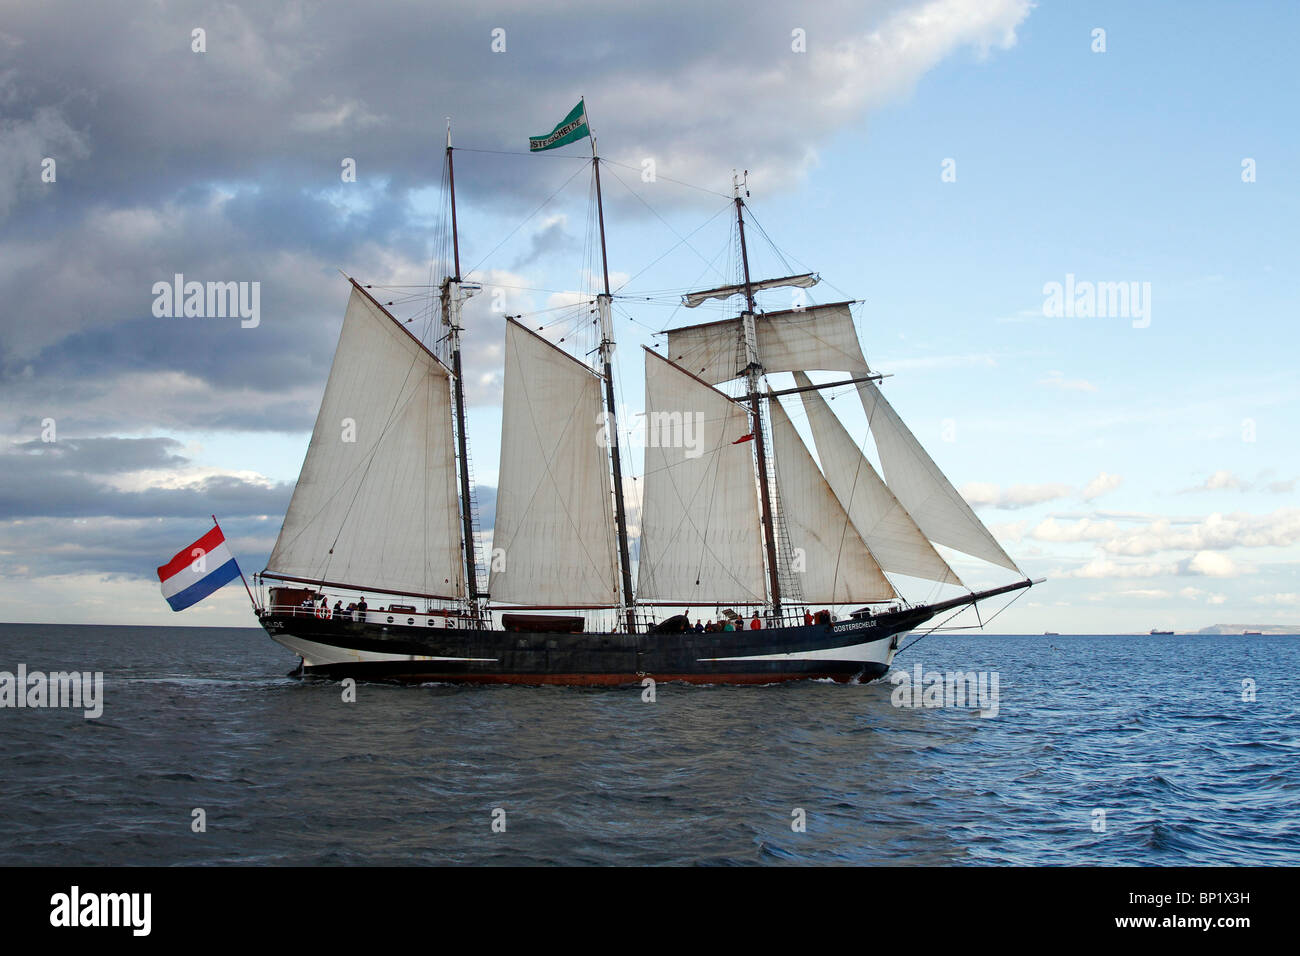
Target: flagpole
{"x": 217, "y": 525}
{"x": 604, "y": 303}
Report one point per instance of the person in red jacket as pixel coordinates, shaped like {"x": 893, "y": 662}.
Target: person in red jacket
{"x": 755, "y": 624}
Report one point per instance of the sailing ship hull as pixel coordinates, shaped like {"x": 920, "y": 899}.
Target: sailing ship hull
{"x": 856, "y": 649}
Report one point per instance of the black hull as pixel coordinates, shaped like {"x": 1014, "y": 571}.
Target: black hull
{"x": 855, "y": 649}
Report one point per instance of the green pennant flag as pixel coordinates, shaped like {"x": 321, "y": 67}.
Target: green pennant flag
{"x": 571, "y": 129}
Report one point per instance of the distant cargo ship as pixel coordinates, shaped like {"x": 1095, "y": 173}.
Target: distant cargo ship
{"x": 1155, "y": 633}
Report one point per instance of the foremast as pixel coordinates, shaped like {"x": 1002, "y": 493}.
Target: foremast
{"x": 453, "y": 297}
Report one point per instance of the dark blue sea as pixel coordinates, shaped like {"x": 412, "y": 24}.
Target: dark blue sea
{"x": 1151, "y": 731}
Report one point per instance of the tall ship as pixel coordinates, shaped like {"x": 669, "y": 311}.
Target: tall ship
{"x": 380, "y": 570}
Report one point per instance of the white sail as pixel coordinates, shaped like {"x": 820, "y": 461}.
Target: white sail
{"x": 376, "y": 505}
{"x": 805, "y": 281}
{"x": 554, "y": 542}
{"x": 916, "y": 480}
{"x": 818, "y": 337}
{"x": 701, "y": 538}
{"x": 836, "y": 564}
{"x": 893, "y": 537}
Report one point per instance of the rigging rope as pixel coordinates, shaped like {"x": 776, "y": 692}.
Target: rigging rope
{"x": 958, "y": 611}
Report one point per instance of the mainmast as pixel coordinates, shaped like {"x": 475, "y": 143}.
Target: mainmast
{"x": 603, "y": 303}
{"x": 753, "y": 372}
{"x": 451, "y": 307}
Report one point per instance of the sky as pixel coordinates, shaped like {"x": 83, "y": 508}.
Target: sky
{"x": 942, "y": 162}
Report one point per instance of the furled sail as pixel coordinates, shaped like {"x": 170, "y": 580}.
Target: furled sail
{"x": 925, "y": 492}
{"x": 893, "y": 537}
{"x": 376, "y": 505}
{"x": 553, "y": 543}
{"x": 837, "y": 566}
{"x": 818, "y": 337}
{"x": 701, "y": 539}
{"x": 805, "y": 281}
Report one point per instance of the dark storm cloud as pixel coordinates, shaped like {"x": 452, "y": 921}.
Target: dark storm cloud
{"x": 43, "y": 547}
{"x": 38, "y": 486}
{"x": 220, "y": 164}
{"x": 547, "y": 241}
{"x": 225, "y": 166}
{"x": 64, "y": 479}
{"x": 133, "y": 547}
{"x": 96, "y": 455}
{"x": 289, "y": 90}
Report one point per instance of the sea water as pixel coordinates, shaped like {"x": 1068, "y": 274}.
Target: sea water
{"x": 1102, "y": 750}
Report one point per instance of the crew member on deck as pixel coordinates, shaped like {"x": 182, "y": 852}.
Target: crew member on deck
{"x": 755, "y": 624}
{"x": 807, "y": 618}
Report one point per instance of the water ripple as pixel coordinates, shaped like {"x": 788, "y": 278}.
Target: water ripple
{"x": 1105, "y": 750}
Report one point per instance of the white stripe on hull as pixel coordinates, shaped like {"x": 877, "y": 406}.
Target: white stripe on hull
{"x": 873, "y": 652}
{"x": 315, "y": 654}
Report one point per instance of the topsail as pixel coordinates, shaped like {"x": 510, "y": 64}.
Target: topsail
{"x": 817, "y": 337}
{"x": 805, "y": 281}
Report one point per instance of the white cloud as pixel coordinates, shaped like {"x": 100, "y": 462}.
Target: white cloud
{"x": 1204, "y": 563}
{"x": 1106, "y": 568}
{"x": 1100, "y": 485}
{"x": 1290, "y": 598}
{"x": 988, "y": 495}
{"x": 1010, "y": 530}
{"x": 1224, "y": 479}
{"x": 982, "y": 494}
{"x": 1216, "y": 532}
{"x": 1056, "y": 379}
{"x": 1210, "y": 563}
{"x": 851, "y": 73}
{"x": 1084, "y": 529}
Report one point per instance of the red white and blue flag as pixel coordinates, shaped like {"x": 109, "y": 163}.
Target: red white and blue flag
{"x": 198, "y": 570}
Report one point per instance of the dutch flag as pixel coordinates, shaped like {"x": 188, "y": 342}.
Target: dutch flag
{"x": 198, "y": 570}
